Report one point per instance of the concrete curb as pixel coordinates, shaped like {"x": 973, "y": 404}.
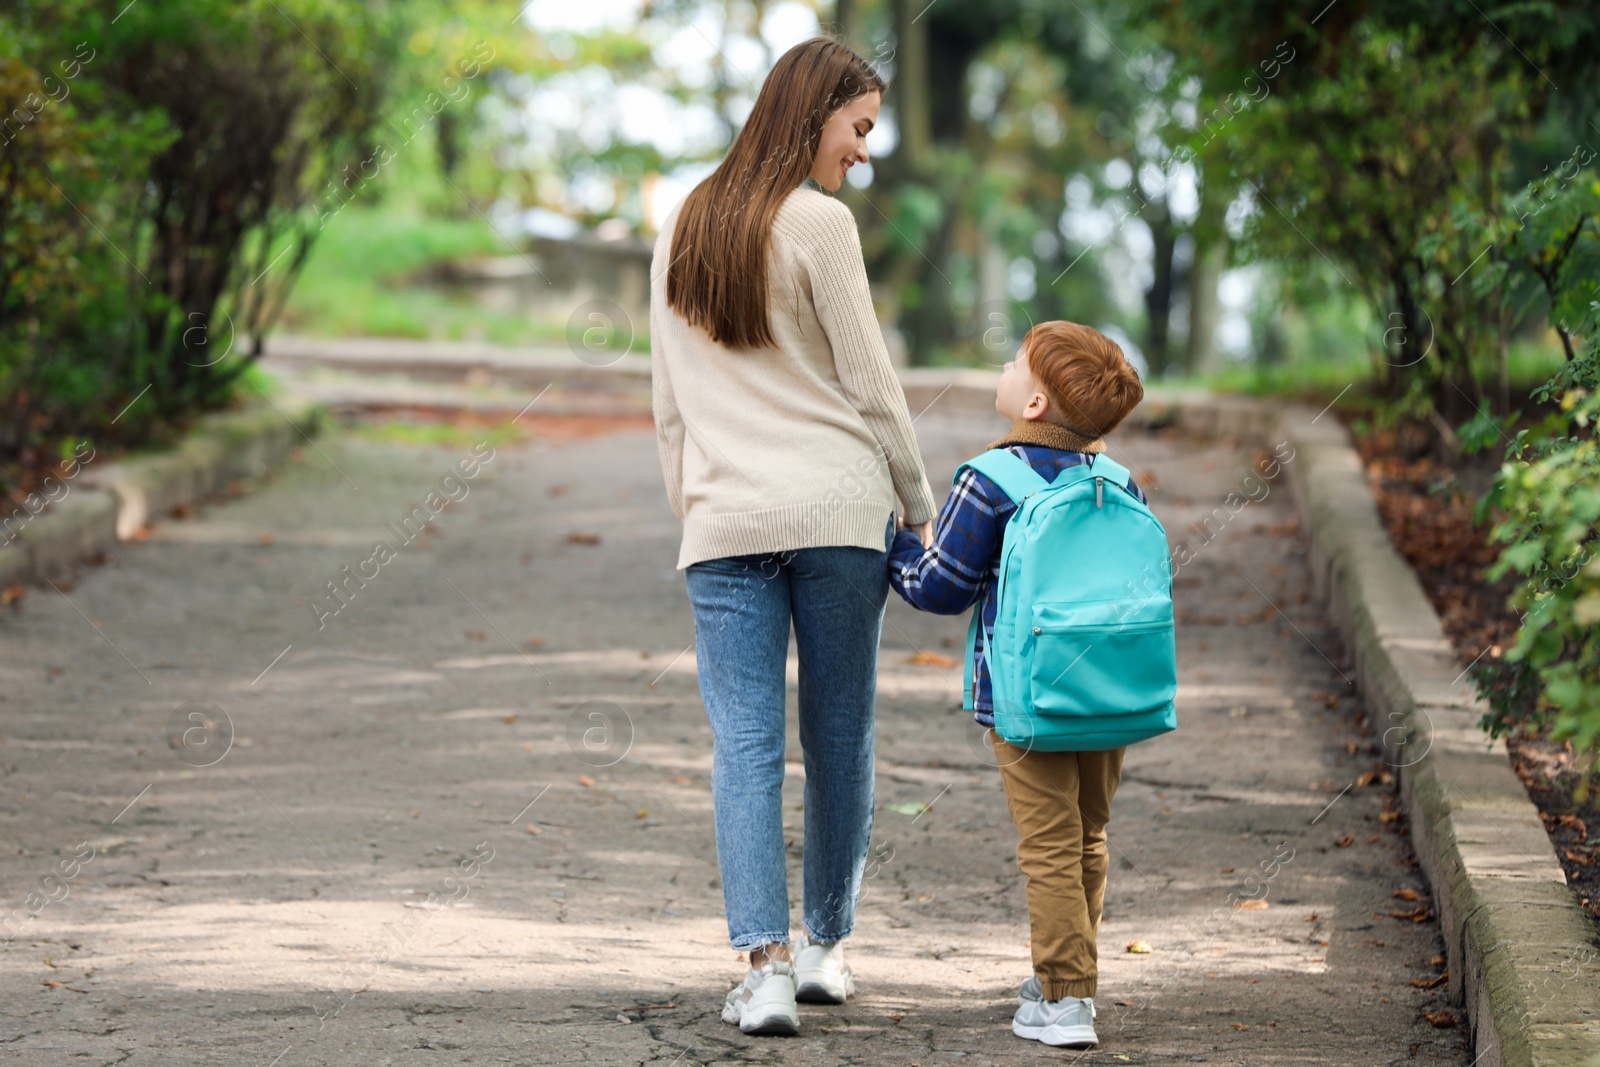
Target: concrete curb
{"x": 109, "y": 503}
{"x": 1522, "y": 952}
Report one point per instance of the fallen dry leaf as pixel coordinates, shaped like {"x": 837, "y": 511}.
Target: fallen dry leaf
{"x": 532, "y": 829}
{"x": 1253, "y": 905}
{"x": 931, "y": 659}
{"x": 1407, "y": 893}
{"x": 1345, "y": 842}
{"x": 477, "y": 635}
{"x": 1139, "y": 948}
{"x": 533, "y": 643}
{"x": 1440, "y": 1018}
{"x": 584, "y": 779}
{"x": 1574, "y": 823}
{"x": 508, "y": 719}
{"x": 11, "y": 594}
{"x": 641, "y": 813}
{"x": 268, "y": 539}
{"x": 1431, "y": 983}
{"x": 579, "y": 538}
{"x": 678, "y": 779}
{"x": 1240, "y": 1026}
{"x": 1313, "y": 917}
{"x": 1418, "y": 914}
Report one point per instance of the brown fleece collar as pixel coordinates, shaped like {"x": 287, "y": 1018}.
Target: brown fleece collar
{"x": 1050, "y": 435}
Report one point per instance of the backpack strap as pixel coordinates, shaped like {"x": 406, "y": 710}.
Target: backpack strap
{"x": 1103, "y": 466}
{"x": 1013, "y": 474}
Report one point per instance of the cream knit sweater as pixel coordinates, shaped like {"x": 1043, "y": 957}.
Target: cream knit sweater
{"x": 799, "y": 446}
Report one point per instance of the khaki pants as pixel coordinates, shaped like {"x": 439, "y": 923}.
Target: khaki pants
{"x": 1061, "y": 802}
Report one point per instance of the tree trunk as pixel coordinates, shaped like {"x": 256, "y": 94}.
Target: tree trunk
{"x": 1201, "y": 355}
{"x": 1158, "y": 298}
{"x": 912, "y": 114}
{"x": 850, "y": 24}
{"x": 448, "y": 131}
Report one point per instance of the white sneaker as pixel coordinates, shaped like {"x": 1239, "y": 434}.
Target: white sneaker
{"x": 764, "y": 1002}
{"x": 1068, "y": 1022}
{"x": 822, "y": 975}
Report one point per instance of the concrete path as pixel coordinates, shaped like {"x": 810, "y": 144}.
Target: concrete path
{"x": 468, "y": 820}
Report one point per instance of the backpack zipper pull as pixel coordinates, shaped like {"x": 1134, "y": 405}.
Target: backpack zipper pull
{"x": 1099, "y": 491}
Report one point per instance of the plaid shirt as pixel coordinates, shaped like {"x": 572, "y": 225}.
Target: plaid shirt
{"x": 963, "y": 565}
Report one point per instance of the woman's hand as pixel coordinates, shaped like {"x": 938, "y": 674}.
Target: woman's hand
{"x": 924, "y": 531}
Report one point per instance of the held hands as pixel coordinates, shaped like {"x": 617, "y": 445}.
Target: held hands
{"x": 924, "y": 530}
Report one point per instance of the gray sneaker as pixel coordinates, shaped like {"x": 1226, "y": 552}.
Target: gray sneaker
{"x": 1064, "y": 1023}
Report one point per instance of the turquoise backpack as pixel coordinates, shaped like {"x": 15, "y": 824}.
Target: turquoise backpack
{"x": 1083, "y": 657}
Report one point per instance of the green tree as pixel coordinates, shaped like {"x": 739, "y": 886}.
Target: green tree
{"x": 1392, "y": 123}
{"x": 166, "y": 201}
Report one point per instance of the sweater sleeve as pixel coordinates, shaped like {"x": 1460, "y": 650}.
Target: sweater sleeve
{"x": 831, "y": 255}
{"x": 668, "y": 419}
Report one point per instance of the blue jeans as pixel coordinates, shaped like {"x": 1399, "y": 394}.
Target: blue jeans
{"x": 742, "y": 609}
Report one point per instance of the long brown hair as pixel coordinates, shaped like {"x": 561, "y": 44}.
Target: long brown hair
{"x": 717, "y": 278}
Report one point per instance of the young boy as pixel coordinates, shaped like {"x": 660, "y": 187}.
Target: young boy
{"x": 1068, "y": 386}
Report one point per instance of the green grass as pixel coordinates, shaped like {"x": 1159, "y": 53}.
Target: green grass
{"x": 354, "y": 282}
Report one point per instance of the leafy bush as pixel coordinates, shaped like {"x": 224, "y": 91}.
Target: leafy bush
{"x": 1551, "y": 500}
{"x": 156, "y": 168}
{"x": 1546, "y": 498}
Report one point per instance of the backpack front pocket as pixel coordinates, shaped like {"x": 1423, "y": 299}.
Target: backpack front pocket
{"x": 1102, "y": 657}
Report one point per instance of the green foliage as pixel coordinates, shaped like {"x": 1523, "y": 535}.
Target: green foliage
{"x": 1384, "y": 141}
{"x": 65, "y": 302}
{"x": 1550, "y": 502}
{"x": 164, "y": 172}
{"x": 1546, "y": 498}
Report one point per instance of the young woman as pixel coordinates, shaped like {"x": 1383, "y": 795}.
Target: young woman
{"x": 784, "y": 442}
